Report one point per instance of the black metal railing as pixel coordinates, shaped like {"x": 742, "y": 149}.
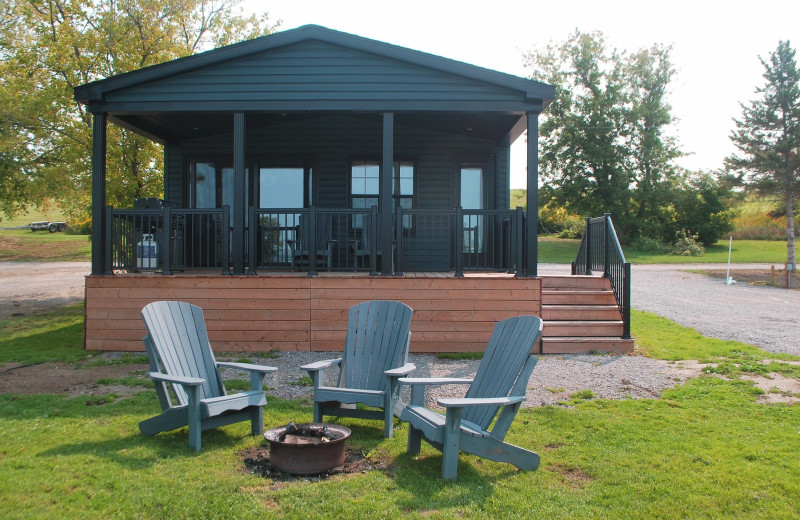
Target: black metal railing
{"x": 600, "y": 249}
{"x": 167, "y": 239}
{"x": 314, "y": 239}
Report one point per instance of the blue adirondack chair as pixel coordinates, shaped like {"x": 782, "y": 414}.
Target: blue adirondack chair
{"x": 374, "y": 358}
{"x": 301, "y": 247}
{"x": 499, "y": 386}
{"x": 180, "y": 355}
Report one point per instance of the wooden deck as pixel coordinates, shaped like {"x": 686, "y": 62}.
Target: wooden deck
{"x": 291, "y": 311}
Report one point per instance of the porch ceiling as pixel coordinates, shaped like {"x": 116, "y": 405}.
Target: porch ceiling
{"x": 176, "y": 127}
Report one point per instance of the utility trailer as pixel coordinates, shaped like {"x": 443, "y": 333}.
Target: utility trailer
{"x": 50, "y": 226}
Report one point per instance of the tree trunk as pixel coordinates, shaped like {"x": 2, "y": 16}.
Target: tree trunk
{"x": 790, "y": 228}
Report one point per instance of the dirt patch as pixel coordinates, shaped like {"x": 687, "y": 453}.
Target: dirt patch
{"x": 777, "y": 387}
{"x": 33, "y": 287}
{"x": 255, "y": 460}
{"x": 575, "y": 477}
{"x": 69, "y": 379}
{"x": 759, "y": 277}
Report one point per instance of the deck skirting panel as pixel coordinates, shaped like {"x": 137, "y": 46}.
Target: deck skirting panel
{"x": 263, "y": 313}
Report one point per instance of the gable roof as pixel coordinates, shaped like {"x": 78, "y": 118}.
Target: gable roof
{"x": 528, "y": 94}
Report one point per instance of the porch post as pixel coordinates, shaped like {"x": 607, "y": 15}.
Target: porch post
{"x": 99, "y": 224}
{"x": 532, "y": 228}
{"x": 387, "y": 169}
{"x": 239, "y": 197}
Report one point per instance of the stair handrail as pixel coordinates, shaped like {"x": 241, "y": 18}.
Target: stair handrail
{"x": 600, "y": 249}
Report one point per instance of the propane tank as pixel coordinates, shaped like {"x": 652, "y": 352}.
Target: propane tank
{"x": 147, "y": 253}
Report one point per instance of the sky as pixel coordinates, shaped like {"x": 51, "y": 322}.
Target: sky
{"x": 715, "y": 46}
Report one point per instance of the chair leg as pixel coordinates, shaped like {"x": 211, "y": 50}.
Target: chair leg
{"x": 257, "y": 421}
{"x": 452, "y": 434}
{"x": 195, "y": 429}
{"x": 317, "y": 412}
{"x": 414, "y": 441}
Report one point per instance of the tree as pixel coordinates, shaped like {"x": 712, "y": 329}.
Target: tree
{"x": 52, "y": 46}
{"x": 768, "y": 136}
{"x": 602, "y": 142}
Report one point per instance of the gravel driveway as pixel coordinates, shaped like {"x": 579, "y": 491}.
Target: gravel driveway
{"x": 758, "y": 315}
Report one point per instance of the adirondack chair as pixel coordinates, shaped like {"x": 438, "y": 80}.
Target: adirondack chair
{"x": 301, "y": 247}
{"x": 374, "y": 358}
{"x": 362, "y": 248}
{"x": 501, "y": 381}
{"x": 180, "y": 355}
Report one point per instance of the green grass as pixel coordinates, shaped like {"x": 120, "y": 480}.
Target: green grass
{"x": 563, "y": 251}
{"x": 32, "y": 215}
{"x": 706, "y": 449}
{"x": 51, "y": 336}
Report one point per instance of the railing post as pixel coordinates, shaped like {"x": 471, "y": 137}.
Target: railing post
{"x": 373, "y": 241}
{"x": 312, "y": 241}
{"x": 252, "y": 234}
{"x": 226, "y": 239}
{"x": 166, "y": 239}
{"x": 459, "y": 242}
{"x": 398, "y": 247}
{"x": 107, "y": 258}
{"x": 606, "y": 244}
{"x": 626, "y": 301}
{"x": 519, "y": 237}
{"x": 588, "y": 235}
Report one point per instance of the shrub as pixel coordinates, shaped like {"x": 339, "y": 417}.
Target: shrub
{"x": 651, "y": 245}
{"x": 687, "y": 244}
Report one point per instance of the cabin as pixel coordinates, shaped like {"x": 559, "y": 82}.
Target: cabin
{"x": 311, "y": 169}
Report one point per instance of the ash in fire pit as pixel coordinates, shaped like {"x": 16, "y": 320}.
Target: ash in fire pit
{"x": 307, "y": 449}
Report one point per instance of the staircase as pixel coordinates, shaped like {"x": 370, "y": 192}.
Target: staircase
{"x": 580, "y": 314}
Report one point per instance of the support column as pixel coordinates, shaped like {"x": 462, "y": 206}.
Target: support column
{"x": 100, "y": 264}
{"x": 532, "y": 228}
{"x": 387, "y": 170}
{"x": 239, "y": 194}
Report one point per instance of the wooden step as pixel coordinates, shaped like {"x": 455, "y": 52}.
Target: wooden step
{"x": 580, "y": 312}
{"x": 582, "y": 328}
{"x": 577, "y": 297}
{"x": 575, "y": 282}
{"x": 582, "y": 345}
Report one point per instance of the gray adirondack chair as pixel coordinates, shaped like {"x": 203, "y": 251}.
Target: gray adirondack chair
{"x": 180, "y": 355}
{"x": 374, "y": 358}
{"x": 499, "y": 386}
{"x": 301, "y": 246}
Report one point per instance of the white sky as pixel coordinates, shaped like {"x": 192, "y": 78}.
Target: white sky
{"x": 716, "y": 45}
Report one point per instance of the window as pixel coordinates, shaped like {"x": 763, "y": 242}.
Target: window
{"x": 365, "y": 188}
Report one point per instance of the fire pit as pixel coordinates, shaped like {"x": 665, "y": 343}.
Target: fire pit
{"x": 307, "y": 449}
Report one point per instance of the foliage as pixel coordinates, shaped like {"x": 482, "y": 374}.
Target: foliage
{"x": 699, "y": 206}
{"x": 768, "y": 136}
{"x": 759, "y": 218}
{"x": 52, "y": 46}
{"x": 686, "y": 245}
{"x": 602, "y": 142}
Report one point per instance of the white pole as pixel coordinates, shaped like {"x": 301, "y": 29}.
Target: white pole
{"x": 728, "y": 280}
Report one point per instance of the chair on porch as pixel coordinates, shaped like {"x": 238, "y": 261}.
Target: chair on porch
{"x": 374, "y": 358}
{"x": 301, "y": 246}
{"x": 361, "y": 248}
{"x": 180, "y": 355}
{"x": 501, "y": 382}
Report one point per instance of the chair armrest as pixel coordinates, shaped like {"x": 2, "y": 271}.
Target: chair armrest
{"x": 435, "y": 381}
{"x": 401, "y": 371}
{"x": 479, "y": 401}
{"x": 319, "y": 365}
{"x": 247, "y": 367}
{"x": 179, "y": 380}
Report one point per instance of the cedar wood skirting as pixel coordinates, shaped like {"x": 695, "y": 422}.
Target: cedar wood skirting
{"x": 296, "y": 312}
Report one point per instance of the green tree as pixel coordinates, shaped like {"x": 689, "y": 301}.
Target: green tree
{"x": 53, "y": 46}
{"x": 700, "y": 208}
{"x": 602, "y": 142}
{"x": 768, "y": 136}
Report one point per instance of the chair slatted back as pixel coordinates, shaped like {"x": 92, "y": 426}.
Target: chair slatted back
{"x": 511, "y": 344}
{"x": 377, "y": 340}
{"x": 178, "y": 334}
{"x": 323, "y": 230}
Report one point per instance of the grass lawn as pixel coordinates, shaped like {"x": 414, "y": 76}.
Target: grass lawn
{"x": 563, "y": 251}
{"x": 706, "y": 449}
